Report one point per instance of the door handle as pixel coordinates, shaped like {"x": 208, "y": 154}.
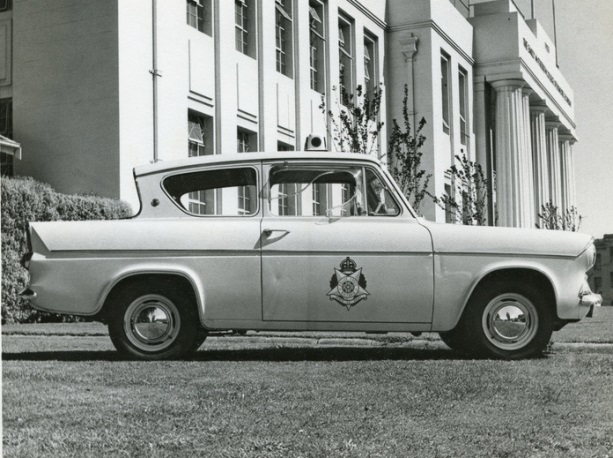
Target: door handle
{"x": 268, "y": 232}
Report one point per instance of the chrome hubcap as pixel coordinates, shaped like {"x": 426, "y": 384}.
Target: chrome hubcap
{"x": 510, "y": 321}
{"x": 152, "y": 323}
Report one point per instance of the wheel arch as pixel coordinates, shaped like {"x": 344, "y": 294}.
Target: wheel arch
{"x": 182, "y": 279}
{"x": 524, "y": 273}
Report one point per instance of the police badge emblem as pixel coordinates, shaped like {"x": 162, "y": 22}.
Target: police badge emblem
{"x": 348, "y": 284}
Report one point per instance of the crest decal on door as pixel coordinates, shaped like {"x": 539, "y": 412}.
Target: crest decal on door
{"x": 348, "y": 284}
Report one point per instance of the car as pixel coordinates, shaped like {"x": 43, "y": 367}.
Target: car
{"x": 303, "y": 241}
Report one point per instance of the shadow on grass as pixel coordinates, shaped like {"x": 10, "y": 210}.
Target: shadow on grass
{"x": 261, "y": 354}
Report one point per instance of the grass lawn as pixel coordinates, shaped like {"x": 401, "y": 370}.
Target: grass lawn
{"x": 67, "y": 393}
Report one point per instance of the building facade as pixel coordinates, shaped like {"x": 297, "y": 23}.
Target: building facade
{"x": 92, "y": 89}
{"x": 601, "y": 279}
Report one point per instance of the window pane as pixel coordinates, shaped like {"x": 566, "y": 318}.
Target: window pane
{"x": 229, "y": 192}
{"x": 313, "y": 191}
{"x": 379, "y": 199}
{"x": 445, "y": 92}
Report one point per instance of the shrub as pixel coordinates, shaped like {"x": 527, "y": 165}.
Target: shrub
{"x": 25, "y": 200}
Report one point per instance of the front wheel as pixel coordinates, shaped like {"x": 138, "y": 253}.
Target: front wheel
{"x": 154, "y": 324}
{"x": 509, "y": 321}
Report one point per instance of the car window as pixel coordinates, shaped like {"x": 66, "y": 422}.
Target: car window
{"x": 315, "y": 191}
{"x": 331, "y": 192}
{"x": 225, "y": 192}
{"x": 379, "y": 199}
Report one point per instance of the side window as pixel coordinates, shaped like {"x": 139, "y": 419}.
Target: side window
{"x": 316, "y": 191}
{"x": 379, "y": 199}
{"x": 229, "y": 192}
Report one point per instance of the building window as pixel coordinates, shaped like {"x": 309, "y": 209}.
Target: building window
{"x": 449, "y": 216}
{"x": 244, "y": 14}
{"x": 246, "y": 142}
{"x": 370, "y": 62}
{"x": 284, "y": 37}
{"x": 284, "y": 147}
{"x": 445, "y": 93}
{"x": 345, "y": 51}
{"x": 611, "y": 255}
{"x": 6, "y": 130}
{"x": 199, "y": 15}
{"x": 5, "y": 5}
{"x": 199, "y": 135}
{"x": 462, "y": 82}
{"x": 317, "y": 45}
{"x": 289, "y": 202}
{"x": 597, "y": 284}
{"x": 598, "y": 264}
{"x": 200, "y": 143}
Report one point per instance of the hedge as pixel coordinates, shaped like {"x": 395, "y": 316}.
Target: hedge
{"x": 25, "y": 200}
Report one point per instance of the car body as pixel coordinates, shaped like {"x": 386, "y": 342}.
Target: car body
{"x": 303, "y": 241}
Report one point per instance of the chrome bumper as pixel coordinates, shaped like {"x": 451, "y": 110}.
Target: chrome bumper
{"x": 591, "y": 300}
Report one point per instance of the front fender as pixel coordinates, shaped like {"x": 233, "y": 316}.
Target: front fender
{"x": 457, "y": 276}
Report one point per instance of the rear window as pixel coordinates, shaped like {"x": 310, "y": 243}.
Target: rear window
{"x": 223, "y": 192}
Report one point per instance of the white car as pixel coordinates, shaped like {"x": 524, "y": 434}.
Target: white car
{"x": 303, "y": 242}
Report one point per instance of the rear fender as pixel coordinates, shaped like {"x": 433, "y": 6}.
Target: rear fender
{"x": 146, "y": 270}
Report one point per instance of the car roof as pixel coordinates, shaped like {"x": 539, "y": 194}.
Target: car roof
{"x": 217, "y": 159}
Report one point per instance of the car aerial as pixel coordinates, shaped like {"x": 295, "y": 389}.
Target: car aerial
{"x": 303, "y": 241}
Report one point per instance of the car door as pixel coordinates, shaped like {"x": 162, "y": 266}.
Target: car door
{"x": 220, "y": 238}
{"x": 337, "y": 247}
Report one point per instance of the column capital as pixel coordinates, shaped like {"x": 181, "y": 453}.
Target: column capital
{"x": 408, "y": 46}
{"x": 509, "y": 84}
{"x": 551, "y": 124}
{"x": 538, "y": 109}
{"x": 526, "y": 91}
{"x": 566, "y": 137}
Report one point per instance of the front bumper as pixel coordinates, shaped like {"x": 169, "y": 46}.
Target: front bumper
{"x": 591, "y": 300}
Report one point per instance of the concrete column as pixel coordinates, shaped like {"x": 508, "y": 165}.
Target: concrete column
{"x": 527, "y": 169}
{"x": 566, "y": 171}
{"x": 553, "y": 154}
{"x": 571, "y": 174}
{"x": 539, "y": 158}
{"x": 226, "y": 97}
{"x": 482, "y": 139}
{"x": 408, "y": 47}
{"x": 512, "y": 197}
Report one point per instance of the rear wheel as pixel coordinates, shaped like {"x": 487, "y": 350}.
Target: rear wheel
{"x": 154, "y": 323}
{"x": 507, "y": 320}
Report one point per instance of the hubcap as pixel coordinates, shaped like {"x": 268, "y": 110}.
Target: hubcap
{"x": 152, "y": 323}
{"x": 510, "y": 321}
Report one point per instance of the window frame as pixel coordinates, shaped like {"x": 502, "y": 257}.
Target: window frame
{"x": 6, "y": 130}
{"x": 463, "y": 105}
{"x": 269, "y": 201}
{"x": 242, "y": 10}
{"x": 346, "y": 56}
{"x": 371, "y": 75}
{"x": 258, "y": 181}
{"x": 284, "y": 37}
{"x": 199, "y": 14}
{"x": 445, "y": 63}
{"x": 317, "y": 46}
{"x": 205, "y": 130}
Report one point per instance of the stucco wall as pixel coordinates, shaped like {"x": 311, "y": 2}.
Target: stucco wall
{"x": 65, "y": 94}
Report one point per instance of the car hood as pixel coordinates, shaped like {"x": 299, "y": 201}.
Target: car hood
{"x": 455, "y": 238}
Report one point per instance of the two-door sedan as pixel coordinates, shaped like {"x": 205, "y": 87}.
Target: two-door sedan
{"x": 309, "y": 241}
